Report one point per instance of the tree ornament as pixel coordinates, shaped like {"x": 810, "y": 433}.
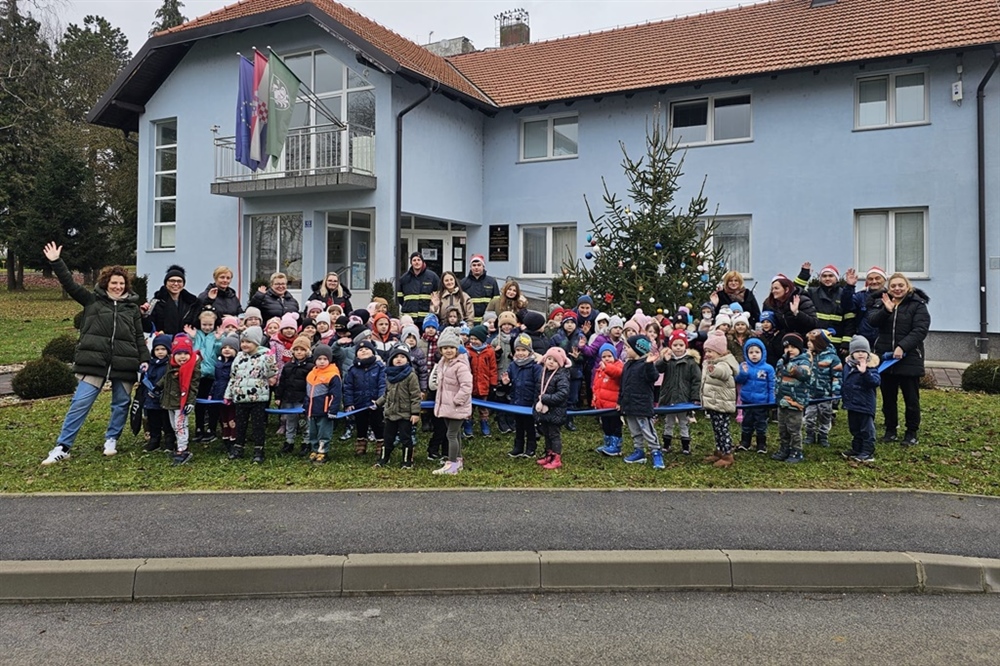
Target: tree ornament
{"x": 694, "y": 254}
{"x": 608, "y": 297}
{"x": 593, "y": 243}
{"x": 640, "y": 287}
{"x": 704, "y": 277}
{"x": 683, "y": 265}
{"x": 620, "y": 264}
{"x": 633, "y": 266}
{"x": 590, "y": 237}
{"x": 701, "y": 268}
{"x": 690, "y": 295}
{"x": 688, "y": 306}
{"x": 659, "y": 245}
{"x": 684, "y": 284}
{"x": 588, "y": 255}
{"x": 562, "y": 291}
{"x": 661, "y": 269}
{"x": 652, "y": 300}
{"x": 659, "y": 310}
{"x": 701, "y": 255}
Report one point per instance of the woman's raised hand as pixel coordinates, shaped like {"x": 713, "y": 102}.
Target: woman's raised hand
{"x": 52, "y": 251}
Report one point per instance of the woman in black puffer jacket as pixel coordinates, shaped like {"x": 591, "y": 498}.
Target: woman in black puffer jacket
{"x": 111, "y": 348}
{"x": 793, "y": 310}
{"x": 902, "y": 320}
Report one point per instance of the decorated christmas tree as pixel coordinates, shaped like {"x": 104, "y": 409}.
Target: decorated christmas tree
{"x": 647, "y": 251}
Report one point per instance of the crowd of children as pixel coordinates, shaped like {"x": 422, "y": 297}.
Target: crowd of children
{"x": 371, "y": 373}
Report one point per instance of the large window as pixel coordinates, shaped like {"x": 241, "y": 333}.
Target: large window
{"x": 165, "y": 186}
{"x": 893, "y": 239}
{"x": 732, "y": 235}
{"x": 349, "y": 247}
{"x": 714, "y": 119}
{"x": 890, "y": 100}
{"x": 545, "y": 249}
{"x": 547, "y": 138}
{"x": 276, "y": 246}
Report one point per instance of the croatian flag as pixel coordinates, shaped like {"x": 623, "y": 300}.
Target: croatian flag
{"x": 245, "y": 112}
{"x": 258, "y": 128}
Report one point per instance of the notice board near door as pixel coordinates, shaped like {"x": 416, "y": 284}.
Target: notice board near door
{"x": 499, "y": 242}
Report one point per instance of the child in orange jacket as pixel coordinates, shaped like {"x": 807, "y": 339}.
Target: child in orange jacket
{"x": 607, "y": 385}
{"x": 483, "y": 362}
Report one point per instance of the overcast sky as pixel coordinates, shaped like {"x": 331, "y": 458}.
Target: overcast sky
{"x": 416, "y": 19}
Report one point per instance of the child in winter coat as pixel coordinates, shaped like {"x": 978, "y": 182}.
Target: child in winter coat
{"x": 249, "y": 389}
{"x": 792, "y": 393}
{"x": 291, "y": 389}
{"x": 364, "y": 387}
{"x": 410, "y": 336}
{"x": 179, "y": 388}
{"x": 523, "y": 376}
{"x": 452, "y": 380}
{"x": 402, "y": 406}
{"x": 607, "y": 386}
{"x": 223, "y": 369}
{"x": 160, "y": 431}
{"x": 756, "y": 378}
{"x": 681, "y": 384}
{"x": 503, "y": 347}
{"x": 571, "y": 340}
{"x": 322, "y": 395}
{"x": 718, "y": 396}
{"x": 635, "y": 400}
{"x": 483, "y": 363}
{"x": 825, "y": 383}
{"x": 382, "y": 336}
{"x": 771, "y": 337}
{"x": 428, "y": 344}
{"x": 324, "y": 329}
{"x": 207, "y": 342}
{"x": 550, "y": 409}
{"x": 857, "y": 394}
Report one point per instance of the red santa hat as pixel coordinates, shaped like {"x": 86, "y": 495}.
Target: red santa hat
{"x": 875, "y": 270}
{"x": 830, "y": 268}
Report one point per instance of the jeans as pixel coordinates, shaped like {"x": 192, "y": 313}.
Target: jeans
{"x": 754, "y": 419}
{"x": 83, "y": 401}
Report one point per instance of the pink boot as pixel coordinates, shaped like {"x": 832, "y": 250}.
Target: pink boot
{"x": 555, "y": 462}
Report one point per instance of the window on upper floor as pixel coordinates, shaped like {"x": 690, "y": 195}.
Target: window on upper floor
{"x": 549, "y": 138}
{"x": 732, "y": 234}
{"x": 276, "y": 247}
{"x": 891, "y": 100}
{"x": 546, "y": 248}
{"x": 165, "y": 185}
{"x": 895, "y": 239}
{"x": 713, "y": 119}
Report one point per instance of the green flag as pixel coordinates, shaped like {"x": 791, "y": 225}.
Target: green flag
{"x": 282, "y": 90}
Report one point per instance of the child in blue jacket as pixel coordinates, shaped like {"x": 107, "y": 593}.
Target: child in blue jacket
{"x": 857, "y": 394}
{"x": 524, "y": 377}
{"x": 757, "y": 379}
{"x": 157, "y": 421}
{"x": 364, "y": 388}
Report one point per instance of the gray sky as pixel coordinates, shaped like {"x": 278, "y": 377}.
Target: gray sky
{"x": 415, "y": 19}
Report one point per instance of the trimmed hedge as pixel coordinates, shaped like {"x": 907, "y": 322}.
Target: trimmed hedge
{"x": 62, "y": 347}
{"x": 44, "y": 378}
{"x": 982, "y": 376}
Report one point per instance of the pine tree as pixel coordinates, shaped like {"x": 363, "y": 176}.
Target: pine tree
{"x": 647, "y": 252}
{"x": 168, "y": 16}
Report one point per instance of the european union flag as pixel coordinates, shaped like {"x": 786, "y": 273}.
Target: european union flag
{"x": 244, "y": 115}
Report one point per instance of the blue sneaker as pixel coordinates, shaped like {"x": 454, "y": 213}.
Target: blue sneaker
{"x": 637, "y": 456}
{"x": 864, "y": 457}
{"x": 467, "y": 429}
{"x": 794, "y": 457}
{"x": 484, "y": 425}
{"x": 658, "y": 460}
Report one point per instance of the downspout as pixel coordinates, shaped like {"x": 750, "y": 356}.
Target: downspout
{"x": 399, "y": 178}
{"x": 984, "y": 340}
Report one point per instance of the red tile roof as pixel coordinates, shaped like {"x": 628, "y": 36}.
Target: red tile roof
{"x": 767, "y": 37}
{"x": 409, "y": 55}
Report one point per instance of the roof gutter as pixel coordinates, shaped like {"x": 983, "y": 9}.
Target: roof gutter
{"x": 399, "y": 176}
{"x": 984, "y": 340}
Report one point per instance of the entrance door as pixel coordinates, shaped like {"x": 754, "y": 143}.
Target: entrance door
{"x": 442, "y": 251}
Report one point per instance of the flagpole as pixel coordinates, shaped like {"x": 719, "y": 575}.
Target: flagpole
{"x": 321, "y": 107}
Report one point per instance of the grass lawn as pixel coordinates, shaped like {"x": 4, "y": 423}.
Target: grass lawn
{"x": 956, "y": 453}
{"x": 29, "y": 319}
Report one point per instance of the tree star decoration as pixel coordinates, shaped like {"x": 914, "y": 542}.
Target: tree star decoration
{"x": 661, "y": 269}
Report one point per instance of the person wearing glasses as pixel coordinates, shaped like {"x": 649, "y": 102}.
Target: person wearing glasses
{"x": 275, "y": 301}
{"x": 173, "y": 307}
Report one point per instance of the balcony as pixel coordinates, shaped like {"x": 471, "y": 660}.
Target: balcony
{"x": 319, "y": 158}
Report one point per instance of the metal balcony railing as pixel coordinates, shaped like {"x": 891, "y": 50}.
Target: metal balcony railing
{"x": 309, "y": 151}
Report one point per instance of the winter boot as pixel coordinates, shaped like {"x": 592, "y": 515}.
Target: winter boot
{"x": 713, "y": 457}
{"x": 613, "y": 447}
{"x": 546, "y": 459}
{"x": 555, "y": 462}
{"x": 686, "y": 445}
{"x": 823, "y": 439}
{"x": 235, "y": 452}
{"x": 407, "y": 457}
{"x": 467, "y": 428}
{"x": 258, "y": 454}
{"x": 744, "y": 442}
{"x": 724, "y": 461}
{"x": 304, "y": 450}
{"x": 348, "y": 433}
{"x": 288, "y": 447}
{"x": 794, "y": 456}
{"x": 385, "y": 455}
{"x": 484, "y": 425}
{"x": 668, "y": 441}
{"x": 809, "y": 439}
{"x": 782, "y": 453}
{"x": 761, "y": 442}
{"x": 361, "y": 446}
{"x": 602, "y": 447}
{"x": 569, "y": 426}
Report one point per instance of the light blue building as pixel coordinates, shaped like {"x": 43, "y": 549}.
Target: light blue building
{"x": 830, "y": 131}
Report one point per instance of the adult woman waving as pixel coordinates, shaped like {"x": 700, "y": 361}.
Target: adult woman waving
{"x": 793, "y": 310}
{"x": 902, "y": 320}
{"x": 330, "y": 291}
{"x": 275, "y": 300}
{"x": 450, "y": 295}
{"x": 735, "y": 291}
{"x": 509, "y": 300}
{"x": 219, "y": 296}
{"x": 111, "y": 348}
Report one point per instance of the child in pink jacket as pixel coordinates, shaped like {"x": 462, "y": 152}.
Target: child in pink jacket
{"x": 452, "y": 379}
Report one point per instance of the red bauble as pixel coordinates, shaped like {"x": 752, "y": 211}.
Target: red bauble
{"x": 608, "y": 297}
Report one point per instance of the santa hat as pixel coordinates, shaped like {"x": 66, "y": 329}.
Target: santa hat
{"x": 830, "y": 268}
{"x": 559, "y": 355}
{"x": 780, "y": 277}
{"x": 479, "y": 258}
{"x": 875, "y": 270}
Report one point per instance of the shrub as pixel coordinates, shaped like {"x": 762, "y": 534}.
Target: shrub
{"x": 982, "y": 376}
{"x": 62, "y": 348}
{"x": 44, "y": 378}
{"x": 927, "y": 382}
{"x": 387, "y": 290}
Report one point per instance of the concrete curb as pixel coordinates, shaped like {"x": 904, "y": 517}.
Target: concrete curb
{"x": 533, "y": 572}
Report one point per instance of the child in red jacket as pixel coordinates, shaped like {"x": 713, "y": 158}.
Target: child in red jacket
{"x": 483, "y": 361}
{"x": 607, "y": 384}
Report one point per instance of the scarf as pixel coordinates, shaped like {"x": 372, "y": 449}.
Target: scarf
{"x": 737, "y": 295}
{"x": 287, "y": 342}
{"x": 366, "y": 362}
{"x": 184, "y": 374}
{"x": 397, "y": 373}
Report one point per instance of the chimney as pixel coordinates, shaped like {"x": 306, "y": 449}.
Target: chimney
{"x": 512, "y": 28}
{"x": 451, "y": 47}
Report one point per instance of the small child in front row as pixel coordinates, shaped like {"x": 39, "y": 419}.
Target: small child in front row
{"x": 681, "y": 384}
{"x": 160, "y": 432}
{"x": 757, "y": 379}
{"x": 364, "y": 389}
{"x": 825, "y": 383}
{"x": 290, "y": 391}
{"x": 451, "y": 380}
{"x": 857, "y": 395}
{"x": 635, "y": 400}
{"x": 718, "y": 396}
{"x": 550, "y": 408}
{"x": 792, "y": 393}
{"x": 607, "y": 386}
{"x": 180, "y": 389}
{"x": 249, "y": 390}
{"x": 223, "y": 369}
{"x": 322, "y": 400}
{"x": 523, "y": 376}
{"x": 402, "y": 406}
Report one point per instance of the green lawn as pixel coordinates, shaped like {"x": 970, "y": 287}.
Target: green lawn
{"x": 29, "y": 319}
{"x": 956, "y": 453}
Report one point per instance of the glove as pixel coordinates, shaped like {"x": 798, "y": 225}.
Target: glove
{"x": 188, "y": 409}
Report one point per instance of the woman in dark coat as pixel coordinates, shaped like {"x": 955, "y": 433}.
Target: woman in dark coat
{"x": 219, "y": 296}
{"x": 793, "y": 310}
{"x": 330, "y": 291}
{"x": 275, "y": 300}
{"x": 735, "y": 291}
{"x": 111, "y": 347}
{"x": 173, "y": 307}
{"x": 902, "y": 320}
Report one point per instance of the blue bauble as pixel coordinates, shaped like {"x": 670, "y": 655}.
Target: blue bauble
{"x": 690, "y": 294}
{"x": 683, "y": 265}
{"x": 704, "y": 277}
{"x": 590, "y": 237}
{"x": 589, "y": 255}
{"x": 658, "y": 246}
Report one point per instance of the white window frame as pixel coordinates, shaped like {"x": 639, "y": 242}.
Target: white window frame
{"x": 700, "y": 225}
{"x": 347, "y": 274}
{"x": 157, "y": 175}
{"x": 280, "y": 217}
{"x": 552, "y": 270}
{"x": 550, "y": 137}
{"x": 890, "y": 242}
{"x": 710, "y": 100}
{"x": 890, "y": 82}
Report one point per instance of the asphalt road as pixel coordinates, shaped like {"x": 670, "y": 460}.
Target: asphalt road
{"x": 336, "y": 523}
{"x": 692, "y": 628}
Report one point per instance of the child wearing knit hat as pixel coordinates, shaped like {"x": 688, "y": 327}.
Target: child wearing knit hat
{"x": 824, "y": 384}
{"x": 290, "y": 390}
{"x": 223, "y": 369}
{"x": 858, "y": 388}
{"x": 323, "y": 389}
{"x": 503, "y": 346}
{"x": 550, "y": 409}
{"x": 718, "y": 395}
{"x": 156, "y": 416}
{"x": 792, "y": 376}
{"x": 483, "y": 363}
{"x": 607, "y": 386}
{"x": 681, "y": 384}
{"x": 452, "y": 381}
{"x": 522, "y": 377}
{"x": 402, "y": 406}
{"x": 179, "y": 388}
{"x": 635, "y": 400}
{"x": 249, "y": 389}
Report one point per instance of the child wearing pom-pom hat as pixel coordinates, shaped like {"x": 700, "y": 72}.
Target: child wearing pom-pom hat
{"x": 718, "y": 395}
